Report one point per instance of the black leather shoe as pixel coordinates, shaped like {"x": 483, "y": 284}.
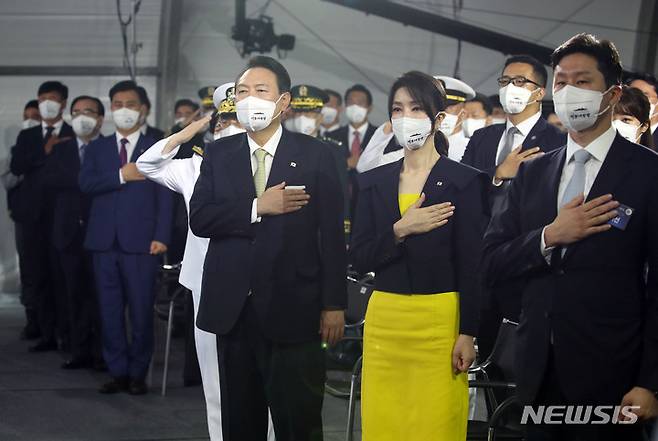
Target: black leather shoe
{"x": 77, "y": 363}
{"x": 44, "y": 346}
{"x": 137, "y": 387}
{"x": 115, "y": 386}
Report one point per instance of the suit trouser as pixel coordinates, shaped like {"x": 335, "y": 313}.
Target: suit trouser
{"x": 81, "y": 302}
{"x": 256, "y": 373}
{"x": 35, "y": 261}
{"x": 124, "y": 279}
{"x": 551, "y": 394}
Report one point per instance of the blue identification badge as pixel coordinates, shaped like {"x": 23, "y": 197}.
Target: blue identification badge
{"x": 624, "y": 214}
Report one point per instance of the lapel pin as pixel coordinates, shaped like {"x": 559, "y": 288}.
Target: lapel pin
{"x": 293, "y": 164}
{"x": 439, "y": 183}
{"x": 533, "y": 138}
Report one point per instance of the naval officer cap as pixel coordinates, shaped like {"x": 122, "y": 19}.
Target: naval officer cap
{"x": 224, "y": 98}
{"x": 205, "y": 95}
{"x": 456, "y": 90}
{"x": 307, "y": 98}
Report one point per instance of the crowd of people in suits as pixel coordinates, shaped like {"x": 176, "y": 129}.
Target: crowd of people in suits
{"x": 469, "y": 210}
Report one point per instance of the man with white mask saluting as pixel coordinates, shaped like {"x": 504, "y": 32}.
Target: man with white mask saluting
{"x": 274, "y": 279}
{"x": 180, "y": 175}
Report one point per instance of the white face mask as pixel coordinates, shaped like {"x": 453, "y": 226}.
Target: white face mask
{"x": 304, "y": 124}
{"x": 29, "y": 123}
{"x": 229, "y": 131}
{"x": 448, "y": 124}
{"x": 328, "y": 115}
{"x": 577, "y": 108}
{"x": 498, "y": 121}
{"x": 470, "y": 125}
{"x": 255, "y": 114}
{"x": 289, "y": 125}
{"x": 515, "y": 99}
{"x": 179, "y": 121}
{"x": 356, "y": 114}
{"x": 83, "y": 125}
{"x": 411, "y": 132}
{"x": 125, "y": 118}
{"x": 49, "y": 109}
{"x": 628, "y": 131}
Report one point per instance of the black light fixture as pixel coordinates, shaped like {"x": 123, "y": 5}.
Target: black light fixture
{"x": 257, "y": 34}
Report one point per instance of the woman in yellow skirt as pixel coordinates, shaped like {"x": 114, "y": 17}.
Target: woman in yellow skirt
{"x": 419, "y": 227}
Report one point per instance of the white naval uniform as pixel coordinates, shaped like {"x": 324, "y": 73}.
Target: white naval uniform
{"x": 457, "y": 143}
{"x": 180, "y": 175}
{"x": 373, "y": 155}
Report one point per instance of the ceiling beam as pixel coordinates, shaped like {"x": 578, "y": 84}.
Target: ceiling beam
{"x": 74, "y": 71}
{"x": 452, "y": 28}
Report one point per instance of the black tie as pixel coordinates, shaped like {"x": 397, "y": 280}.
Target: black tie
{"x": 49, "y": 132}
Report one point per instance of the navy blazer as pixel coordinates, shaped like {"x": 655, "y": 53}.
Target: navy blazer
{"x": 132, "y": 214}
{"x": 294, "y": 265}
{"x": 341, "y": 135}
{"x": 483, "y": 146}
{"x": 70, "y": 204}
{"x": 443, "y": 260}
{"x": 595, "y": 302}
{"x": 31, "y": 200}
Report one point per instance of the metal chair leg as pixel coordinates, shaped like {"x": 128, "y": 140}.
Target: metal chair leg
{"x": 170, "y": 325}
{"x": 351, "y": 408}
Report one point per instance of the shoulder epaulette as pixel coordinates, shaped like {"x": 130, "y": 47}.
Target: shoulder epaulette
{"x": 198, "y": 150}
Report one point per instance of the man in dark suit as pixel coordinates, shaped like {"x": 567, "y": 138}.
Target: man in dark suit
{"x": 70, "y": 217}
{"x": 274, "y": 279}
{"x": 32, "y": 209}
{"x": 146, "y": 129}
{"x": 648, "y": 84}
{"x": 129, "y": 226}
{"x": 578, "y": 228}
{"x": 498, "y": 150}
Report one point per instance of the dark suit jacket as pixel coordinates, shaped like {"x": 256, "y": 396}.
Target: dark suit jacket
{"x": 133, "y": 214}
{"x": 70, "y": 205}
{"x": 30, "y": 200}
{"x": 595, "y": 301}
{"x": 443, "y": 260}
{"x": 154, "y": 133}
{"x": 342, "y": 135}
{"x": 294, "y": 265}
{"x": 481, "y": 153}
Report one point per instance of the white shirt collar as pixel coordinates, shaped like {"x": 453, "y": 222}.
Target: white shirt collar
{"x": 58, "y": 126}
{"x": 133, "y": 138}
{"x": 654, "y": 127}
{"x": 144, "y": 127}
{"x": 525, "y": 126}
{"x": 270, "y": 146}
{"x": 362, "y": 130}
{"x": 598, "y": 148}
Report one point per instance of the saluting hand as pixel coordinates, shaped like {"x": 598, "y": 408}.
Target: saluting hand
{"x": 417, "y": 220}
{"x": 578, "y": 220}
{"x": 187, "y": 133}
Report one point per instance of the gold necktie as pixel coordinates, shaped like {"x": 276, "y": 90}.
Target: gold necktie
{"x": 259, "y": 176}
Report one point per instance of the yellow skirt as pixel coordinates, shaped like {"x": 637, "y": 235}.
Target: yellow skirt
{"x": 409, "y": 391}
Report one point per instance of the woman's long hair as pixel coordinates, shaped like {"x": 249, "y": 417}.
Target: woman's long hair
{"x": 633, "y": 102}
{"x": 430, "y": 95}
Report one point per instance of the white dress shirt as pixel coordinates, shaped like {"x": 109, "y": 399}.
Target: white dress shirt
{"x": 133, "y": 138}
{"x": 58, "y": 128}
{"x": 350, "y": 134}
{"x": 373, "y": 155}
{"x": 143, "y": 128}
{"x": 599, "y": 149}
{"x": 270, "y": 147}
{"x": 523, "y": 128}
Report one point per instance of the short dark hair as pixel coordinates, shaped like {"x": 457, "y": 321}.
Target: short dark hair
{"x": 126, "y": 86}
{"x": 186, "y": 102}
{"x": 635, "y": 103}
{"x": 360, "y": 88}
{"x": 537, "y": 67}
{"x": 54, "y": 86}
{"x": 332, "y": 92}
{"x": 430, "y": 94}
{"x": 144, "y": 96}
{"x": 603, "y": 51}
{"x": 31, "y": 104}
{"x": 282, "y": 76}
{"x": 643, "y": 76}
{"x": 101, "y": 107}
{"x": 495, "y": 101}
{"x": 486, "y": 104}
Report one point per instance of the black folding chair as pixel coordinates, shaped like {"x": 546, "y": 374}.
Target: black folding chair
{"x": 496, "y": 373}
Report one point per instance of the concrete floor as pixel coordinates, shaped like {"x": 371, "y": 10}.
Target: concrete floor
{"x": 41, "y": 402}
